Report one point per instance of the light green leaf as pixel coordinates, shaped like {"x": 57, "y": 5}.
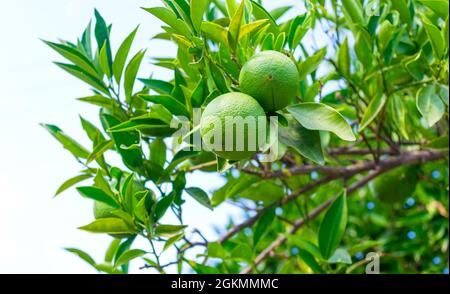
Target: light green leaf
{"x": 129, "y": 255}
{"x": 104, "y": 62}
{"x": 99, "y": 150}
{"x": 169, "y": 230}
{"x": 249, "y": 28}
{"x": 363, "y": 51}
{"x": 74, "y": 56}
{"x": 83, "y": 255}
{"x": 173, "y": 240}
{"x": 374, "y": 108}
{"x": 170, "y": 18}
{"x": 72, "y": 181}
{"x": 84, "y": 76}
{"x": 215, "y": 32}
{"x": 434, "y": 34}
{"x": 131, "y": 72}
{"x": 430, "y": 105}
{"x": 343, "y": 60}
{"x": 121, "y": 56}
{"x": 353, "y": 9}
{"x": 318, "y": 116}
{"x": 440, "y": 7}
{"x": 108, "y": 226}
{"x": 311, "y": 63}
{"x": 162, "y": 87}
{"x": 235, "y": 26}
{"x": 333, "y": 226}
{"x": 68, "y": 143}
{"x": 198, "y": 8}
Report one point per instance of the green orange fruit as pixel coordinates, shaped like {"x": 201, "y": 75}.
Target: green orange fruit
{"x": 397, "y": 185}
{"x": 271, "y": 78}
{"x": 237, "y": 141}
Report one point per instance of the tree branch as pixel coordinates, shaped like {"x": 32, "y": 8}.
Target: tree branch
{"x": 408, "y": 158}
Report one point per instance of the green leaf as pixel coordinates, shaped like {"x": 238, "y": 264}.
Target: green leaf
{"x": 68, "y": 143}
{"x": 235, "y": 26}
{"x": 108, "y": 226}
{"x": 265, "y": 191}
{"x": 263, "y": 225}
{"x": 232, "y": 7}
{"x": 129, "y": 255}
{"x": 121, "y": 56}
{"x": 340, "y": 256}
{"x": 363, "y": 51}
{"x": 162, "y": 205}
{"x": 343, "y": 61}
{"x": 83, "y": 255}
{"x": 104, "y": 62}
{"x": 162, "y": 87}
{"x": 131, "y": 72}
{"x": 430, "y": 105}
{"x": 72, "y": 181}
{"x": 215, "y": 32}
{"x": 333, "y": 226}
{"x": 440, "y": 143}
{"x": 74, "y": 56}
{"x": 84, "y": 76}
{"x": 98, "y": 195}
{"x": 99, "y": 100}
{"x": 309, "y": 259}
{"x": 131, "y": 157}
{"x": 102, "y": 35}
{"x": 99, "y": 150}
{"x": 200, "y": 195}
{"x": 304, "y": 141}
{"x": 249, "y": 28}
{"x": 172, "y": 240}
{"x": 112, "y": 250}
{"x": 216, "y": 250}
{"x": 311, "y": 63}
{"x": 434, "y": 34}
{"x": 158, "y": 151}
{"x": 198, "y": 8}
{"x": 353, "y": 9}
{"x": 440, "y": 7}
{"x": 169, "y": 230}
{"x": 374, "y": 108}
{"x": 169, "y": 102}
{"x": 92, "y": 131}
{"x": 203, "y": 269}
{"x": 259, "y": 12}
{"x": 318, "y": 116}
{"x": 279, "y": 11}
{"x": 170, "y": 18}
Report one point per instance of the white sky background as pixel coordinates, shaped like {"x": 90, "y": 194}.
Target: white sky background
{"x": 34, "y": 227}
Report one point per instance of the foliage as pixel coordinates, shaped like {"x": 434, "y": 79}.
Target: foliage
{"x": 373, "y": 98}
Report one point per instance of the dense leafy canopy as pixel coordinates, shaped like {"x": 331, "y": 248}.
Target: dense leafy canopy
{"x": 373, "y": 96}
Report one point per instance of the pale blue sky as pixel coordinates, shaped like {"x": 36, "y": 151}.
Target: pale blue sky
{"x": 34, "y": 226}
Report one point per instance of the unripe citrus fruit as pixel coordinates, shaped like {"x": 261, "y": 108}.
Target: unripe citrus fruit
{"x": 234, "y": 119}
{"x": 271, "y": 78}
{"x": 396, "y": 185}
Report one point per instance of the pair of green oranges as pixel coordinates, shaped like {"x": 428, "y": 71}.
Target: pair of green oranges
{"x": 268, "y": 82}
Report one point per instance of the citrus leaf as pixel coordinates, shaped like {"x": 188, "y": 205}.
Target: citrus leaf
{"x": 430, "y": 105}
{"x": 129, "y": 255}
{"x": 83, "y": 255}
{"x": 333, "y": 226}
{"x": 374, "y": 108}
{"x": 68, "y": 143}
{"x": 200, "y": 195}
{"x": 97, "y": 194}
{"x": 318, "y": 116}
{"x": 121, "y": 56}
{"x": 108, "y": 226}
